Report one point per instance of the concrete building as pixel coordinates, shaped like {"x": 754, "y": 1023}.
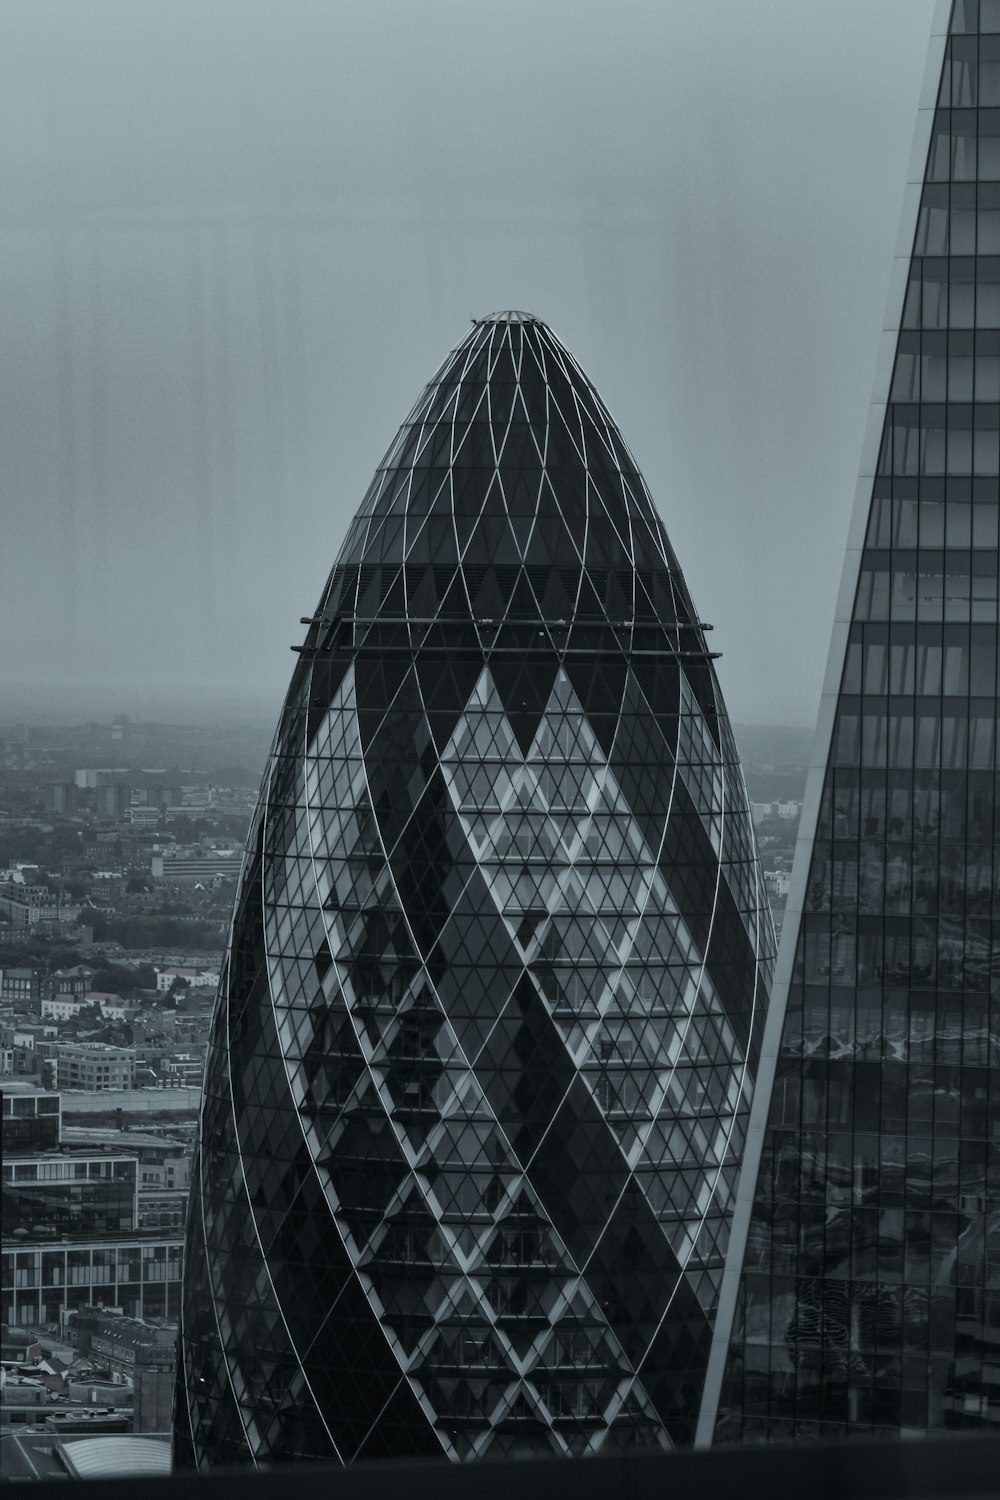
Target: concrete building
{"x": 71, "y": 1230}
{"x": 75, "y": 981}
{"x": 123, "y": 1345}
{"x": 28, "y": 906}
{"x": 31, "y": 1119}
{"x": 94, "y": 1067}
{"x": 196, "y": 865}
{"x": 196, "y": 979}
{"x": 20, "y": 986}
{"x": 61, "y": 1007}
{"x": 144, "y": 816}
{"x": 67, "y": 1194}
{"x": 139, "y": 1273}
{"x": 91, "y": 778}
{"x": 62, "y": 797}
{"x": 114, "y": 801}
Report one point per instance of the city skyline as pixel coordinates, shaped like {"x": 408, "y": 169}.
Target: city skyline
{"x": 491, "y": 1029}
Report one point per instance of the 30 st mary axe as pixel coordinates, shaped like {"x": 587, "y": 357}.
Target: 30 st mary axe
{"x": 870, "y": 1295}
{"x": 486, "y": 1036}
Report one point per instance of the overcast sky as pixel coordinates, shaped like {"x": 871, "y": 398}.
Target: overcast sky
{"x": 238, "y": 236}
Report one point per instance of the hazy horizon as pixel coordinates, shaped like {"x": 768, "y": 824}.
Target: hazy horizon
{"x": 71, "y": 703}
{"x": 238, "y": 239}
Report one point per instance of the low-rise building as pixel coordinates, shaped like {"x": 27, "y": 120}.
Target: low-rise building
{"x": 154, "y": 1399}
{"x": 61, "y": 1007}
{"x": 20, "y": 1055}
{"x": 164, "y": 1170}
{"x": 74, "y": 982}
{"x": 106, "y": 886}
{"x": 30, "y": 1036}
{"x": 31, "y": 1119}
{"x": 142, "y": 815}
{"x": 194, "y": 978}
{"x": 20, "y": 986}
{"x": 27, "y": 1064}
{"x": 196, "y": 796}
{"x": 112, "y": 1007}
{"x": 140, "y": 1273}
{"x": 70, "y": 1223}
{"x": 201, "y": 865}
{"x": 94, "y": 1067}
{"x": 23, "y": 1400}
{"x": 123, "y": 1345}
{"x": 183, "y": 1069}
{"x": 163, "y": 1211}
{"x": 29, "y": 906}
{"x": 57, "y": 1194}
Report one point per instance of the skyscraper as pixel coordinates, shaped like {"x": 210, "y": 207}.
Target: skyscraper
{"x": 870, "y": 1297}
{"x": 486, "y": 1035}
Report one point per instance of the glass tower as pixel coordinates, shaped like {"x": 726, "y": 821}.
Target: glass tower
{"x": 484, "y": 1046}
{"x": 870, "y": 1298}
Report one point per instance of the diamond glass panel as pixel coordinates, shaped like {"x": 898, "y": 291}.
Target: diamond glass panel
{"x": 484, "y": 1049}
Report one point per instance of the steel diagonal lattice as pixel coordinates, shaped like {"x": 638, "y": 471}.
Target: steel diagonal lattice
{"x": 487, "y": 1032}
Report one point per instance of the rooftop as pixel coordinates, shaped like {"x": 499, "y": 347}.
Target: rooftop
{"x": 955, "y": 1465}
{"x": 510, "y": 316}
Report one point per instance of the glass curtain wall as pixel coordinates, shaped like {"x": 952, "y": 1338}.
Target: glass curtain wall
{"x": 870, "y": 1300}
{"x": 485, "y": 1040}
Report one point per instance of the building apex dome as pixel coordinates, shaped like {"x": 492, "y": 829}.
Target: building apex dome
{"x": 508, "y": 495}
{"x": 511, "y": 315}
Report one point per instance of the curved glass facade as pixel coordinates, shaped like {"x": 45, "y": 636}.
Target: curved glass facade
{"x": 870, "y": 1300}
{"x": 485, "y": 1039}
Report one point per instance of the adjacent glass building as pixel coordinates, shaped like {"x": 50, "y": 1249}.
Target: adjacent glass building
{"x": 486, "y": 1035}
{"x": 870, "y": 1298}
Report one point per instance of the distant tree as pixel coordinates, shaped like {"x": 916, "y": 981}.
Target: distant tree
{"x": 119, "y": 979}
{"x": 98, "y": 921}
{"x": 150, "y": 932}
{"x": 18, "y": 956}
{"x": 187, "y": 829}
{"x": 64, "y": 839}
{"x": 237, "y": 776}
{"x": 236, "y": 825}
{"x": 40, "y": 953}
